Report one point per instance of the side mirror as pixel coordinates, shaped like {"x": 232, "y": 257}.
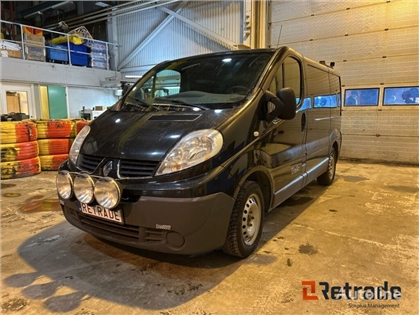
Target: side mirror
{"x": 282, "y": 106}
{"x": 287, "y": 96}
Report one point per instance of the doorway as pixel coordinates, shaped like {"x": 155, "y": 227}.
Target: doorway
{"x": 17, "y": 100}
{"x": 53, "y": 102}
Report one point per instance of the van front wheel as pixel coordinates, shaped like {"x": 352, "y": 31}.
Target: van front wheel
{"x": 245, "y": 226}
{"x": 327, "y": 178}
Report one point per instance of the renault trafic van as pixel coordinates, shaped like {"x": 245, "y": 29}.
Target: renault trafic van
{"x": 194, "y": 155}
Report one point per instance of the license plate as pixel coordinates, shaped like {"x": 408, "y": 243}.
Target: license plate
{"x": 103, "y": 213}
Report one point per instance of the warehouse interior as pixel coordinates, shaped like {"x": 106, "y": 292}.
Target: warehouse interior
{"x": 64, "y": 63}
{"x": 370, "y": 37}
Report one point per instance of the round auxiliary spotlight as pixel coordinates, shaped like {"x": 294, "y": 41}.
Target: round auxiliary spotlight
{"x": 107, "y": 192}
{"x": 64, "y": 184}
{"x": 83, "y": 188}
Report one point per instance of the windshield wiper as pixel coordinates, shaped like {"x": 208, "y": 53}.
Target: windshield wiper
{"x": 138, "y": 103}
{"x": 181, "y": 102}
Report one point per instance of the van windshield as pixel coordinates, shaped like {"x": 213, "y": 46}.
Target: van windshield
{"x": 216, "y": 81}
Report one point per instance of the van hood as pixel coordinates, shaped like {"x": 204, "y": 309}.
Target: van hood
{"x": 146, "y": 136}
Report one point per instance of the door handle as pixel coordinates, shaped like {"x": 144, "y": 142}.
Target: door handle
{"x": 303, "y": 122}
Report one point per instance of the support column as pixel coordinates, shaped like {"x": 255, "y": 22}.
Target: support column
{"x": 112, "y": 38}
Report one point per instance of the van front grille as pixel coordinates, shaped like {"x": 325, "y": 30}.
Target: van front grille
{"x": 88, "y": 163}
{"x": 126, "y": 168}
{"x": 133, "y": 168}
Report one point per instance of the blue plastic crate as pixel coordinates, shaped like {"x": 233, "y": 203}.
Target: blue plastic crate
{"x": 57, "y": 53}
{"x": 79, "y": 56}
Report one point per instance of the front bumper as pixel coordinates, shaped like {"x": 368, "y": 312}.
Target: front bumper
{"x": 169, "y": 225}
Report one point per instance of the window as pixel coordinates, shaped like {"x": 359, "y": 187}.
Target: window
{"x": 319, "y": 88}
{"x": 163, "y": 84}
{"x": 362, "y": 97}
{"x": 401, "y": 95}
{"x": 292, "y": 78}
{"x": 306, "y": 103}
{"x": 214, "y": 81}
{"x": 288, "y": 75}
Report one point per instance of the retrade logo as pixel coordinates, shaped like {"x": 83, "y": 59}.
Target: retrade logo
{"x": 349, "y": 292}
{"x": 307, "y": 295}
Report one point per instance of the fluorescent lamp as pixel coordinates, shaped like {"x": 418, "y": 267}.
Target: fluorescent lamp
{"x": 102, "y": 4}
{"x": 133, "y": 76}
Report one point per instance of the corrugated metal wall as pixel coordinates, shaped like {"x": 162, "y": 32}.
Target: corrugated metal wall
{"x": 373, "y": 43}
{"x": 178, "y": 39}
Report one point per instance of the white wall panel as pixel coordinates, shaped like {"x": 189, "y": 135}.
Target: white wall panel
{"x": 391, "y": 134}
{"x": 89, "y": 98}
{"x": 372, "y": 43}
{"x": 376, "y": 71}
{"x": 354, "y": 31}
{"x": 333, "y": 19}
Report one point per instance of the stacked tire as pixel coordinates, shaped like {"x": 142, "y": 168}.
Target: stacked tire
{"x": 80, "y": 124}
{"x": 54, "y": 139}
{"x": 19, "y": 149}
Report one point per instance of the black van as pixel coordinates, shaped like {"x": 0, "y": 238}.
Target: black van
{"x": 200, "y": 148}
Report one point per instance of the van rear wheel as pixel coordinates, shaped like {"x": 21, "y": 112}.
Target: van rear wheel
{"x": 327, "y": 178}
{"x": 246, "y": 221}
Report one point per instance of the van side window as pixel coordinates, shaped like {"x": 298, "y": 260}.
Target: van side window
{"x": 292, "y": 76}
{"x": 319, "y": 88}
{"x": 288, "y": 75}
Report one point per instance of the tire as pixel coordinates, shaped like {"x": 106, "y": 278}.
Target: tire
{"x": 19, "y": 151}
{"x": 52, "y": 162}
{"x": 17, "y": 131}
{"x": 80, "y": 125}
{"x": 54, "y": 146}
{"x": 327, "y": 178}
{"x": 49, "y": 129}
{"x": 242, "y": 239}
{"x": 18, "y": 169}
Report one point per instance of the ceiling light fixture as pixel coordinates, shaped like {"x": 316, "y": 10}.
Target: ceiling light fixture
{"x": 133, "y": 76}
{"x": 102, "y": 4}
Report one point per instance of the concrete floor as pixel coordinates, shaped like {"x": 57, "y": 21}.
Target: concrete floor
{"x": 362, "y": 230}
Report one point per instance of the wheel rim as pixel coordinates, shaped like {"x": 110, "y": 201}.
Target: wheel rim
{"x": 331, "y": 164}
{"x": 251, "y": 219}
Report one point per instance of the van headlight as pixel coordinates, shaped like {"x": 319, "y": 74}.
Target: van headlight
{"x": 193, "y": 149}
{"x": 77, "y": 144}
{"x": 107, "y": 192}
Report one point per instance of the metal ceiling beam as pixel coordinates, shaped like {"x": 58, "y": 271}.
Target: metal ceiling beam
{"x": 112, "y": 11}
{"x": 116, "y": 13}
{"x": 119, "y": 10}
{"x": 201, "y": 29}
{"x": 43, "y": 6}
{"x": 151, "y": 36}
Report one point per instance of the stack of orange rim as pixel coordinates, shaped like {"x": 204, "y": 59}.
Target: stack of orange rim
{"x": 19, "y": 149}
{"x": 54, "y": 139}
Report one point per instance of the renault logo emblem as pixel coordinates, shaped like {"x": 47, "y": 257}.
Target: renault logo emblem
{"x": 107, "y": 169}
